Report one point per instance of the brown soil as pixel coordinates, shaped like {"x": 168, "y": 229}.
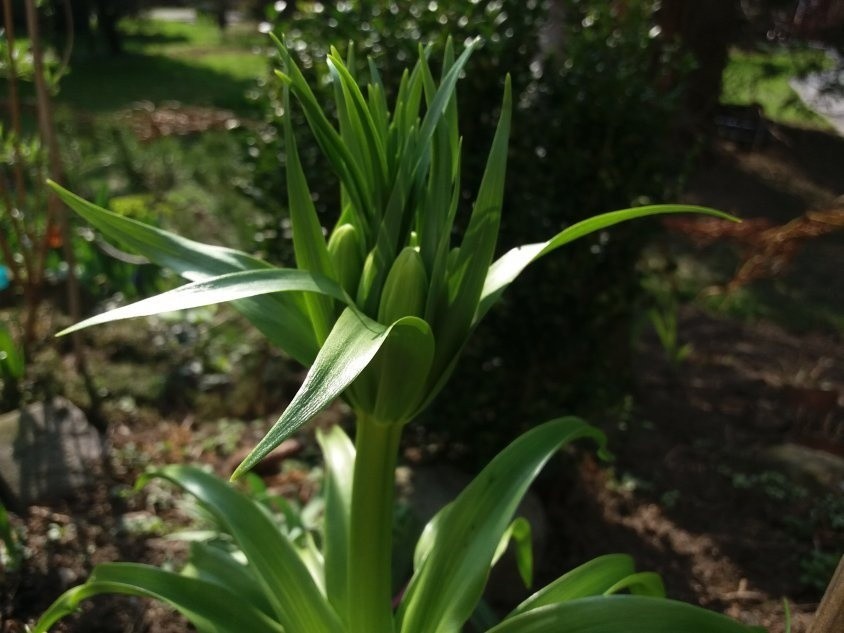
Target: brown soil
{"x": 691, "y": 493}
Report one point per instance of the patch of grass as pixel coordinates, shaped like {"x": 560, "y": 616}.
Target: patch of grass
{"x": 192, "y": 63}
{"x": 762, "y": 77}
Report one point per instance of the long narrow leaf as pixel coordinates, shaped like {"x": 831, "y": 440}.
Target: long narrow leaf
{"x": 280, "y": 317}
{"x": 207, "y": 605}
{"x": 339, "y": 454}
{"x": 466, "y": 280}
{"x": 461, "y": 546}
{"x": 630, "y": 614}
{"x": 297, "y": 601}
{"x": 308, "y": 241}
{"x": 230, "y": 287}
{"x": 510, "y": 265}
{"x": 349, "y": 349}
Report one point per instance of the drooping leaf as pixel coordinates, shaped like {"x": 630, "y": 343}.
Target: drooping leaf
{"x": 209, "y": 606}
{"x": 229, "y": 287}
{"x": 510, "y": 265}
{"x": 282, "y": 318}
{"x": 298, "y": 603}
{"x": 339, "y": 454}
{"x": 461, "y": 541}
{"x": 622, "y": 614}
{"x": 349, "y": 349}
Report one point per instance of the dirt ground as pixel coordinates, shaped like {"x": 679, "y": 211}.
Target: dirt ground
{"x": 700, "y": 490}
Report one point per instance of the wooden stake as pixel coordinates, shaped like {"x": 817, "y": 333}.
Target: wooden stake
{"x": 829, "y": 617}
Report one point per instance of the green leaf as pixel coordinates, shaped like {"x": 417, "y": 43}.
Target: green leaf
{"x": 209, "y": 606}
{"x": 466, "y": 280}
{"x": 510, "y": 265}
{"x": 519, "y": 533}
{"x": 590, "y": 579}
{"x": 11, "y": 358}
{"x": 621, "y": 614}
{"x": 230, "y": 287}
{"x": 645, "y": 583}
{"x": 350, "y": 347}
{"x": 213, "y": 564}
{"x": 339, "y": 454}
{"x": 280, "y": 317}
{"x": 286, "y": 580}
{"x": 308, "y": 241}
{"x": 461, "y": 541}
{"x": 327, "y": 137}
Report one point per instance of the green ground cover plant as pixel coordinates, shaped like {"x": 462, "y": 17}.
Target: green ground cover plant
{"x": 379, "y": 311}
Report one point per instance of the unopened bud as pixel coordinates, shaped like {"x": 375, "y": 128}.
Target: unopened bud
{"x": 405, "y": 289}
{"x": 346, "y": 252}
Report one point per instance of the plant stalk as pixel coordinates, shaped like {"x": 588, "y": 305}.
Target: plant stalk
{"x": 371, "y": 538}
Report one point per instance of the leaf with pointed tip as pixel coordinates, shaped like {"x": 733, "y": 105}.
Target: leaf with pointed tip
{"x": 466, "y": 279}
{"x": 622, "y": 614}
{"x": 209, "y": 606}
{"x": 519, "y": 532}
{"x": 230, "y": 287}
{"x": 461, "y": 545}
{"x": 308, "y": 241}
{"x": 349, "y": 349}
{"x": 339, "y": 454}
{"x": 287, "y": 583}
{"x": 510, "y": 265}
{"x": 282, "y": 318}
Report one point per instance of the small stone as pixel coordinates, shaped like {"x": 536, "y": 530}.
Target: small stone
{"x": 47, "y": 450}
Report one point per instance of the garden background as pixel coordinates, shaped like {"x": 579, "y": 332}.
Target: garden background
{"x": 710, "y": 353}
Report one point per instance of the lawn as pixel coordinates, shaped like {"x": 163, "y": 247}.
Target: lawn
{"x": 193, "y": 63}
{"x": 762, "y": 75}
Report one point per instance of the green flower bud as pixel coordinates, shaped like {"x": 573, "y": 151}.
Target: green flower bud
{"x": 405, "y": 289}
{"x": 367, "y": 278}
{"x": 346, "y": 252}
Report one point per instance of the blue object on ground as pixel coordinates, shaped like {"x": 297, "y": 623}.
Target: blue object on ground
{"x": 5, "y": 280}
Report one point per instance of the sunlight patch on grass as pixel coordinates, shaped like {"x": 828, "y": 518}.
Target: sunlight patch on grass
{"x": 762, "y": 77}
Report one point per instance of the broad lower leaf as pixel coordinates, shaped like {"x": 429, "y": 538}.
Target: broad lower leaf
{"x": 590, "y": 579}
{"x": 282, "y": 318}
{"x": 287, "y": 582}
{"x": 461, "y": 541}
{"x": 209, "y": 606}
{"x": 230, "y": 287}
{"x": 622, "y": 614}
{"x": 349, "y": 349}
{"x": 213, "y": 564}
{"x": 510, "y": 265}
{"x": 339, "y": 454}
{"x": 11, "y": 358}
{"x": 645, "y": 583}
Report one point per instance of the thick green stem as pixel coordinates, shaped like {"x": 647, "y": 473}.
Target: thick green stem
{"x": 371, "y": 538}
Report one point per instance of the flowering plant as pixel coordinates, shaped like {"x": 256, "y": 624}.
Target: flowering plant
{"x": 380, "y": 312}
